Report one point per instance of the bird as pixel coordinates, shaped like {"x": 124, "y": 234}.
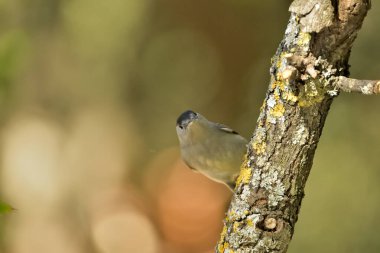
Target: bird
{"x": 210, "y": 148}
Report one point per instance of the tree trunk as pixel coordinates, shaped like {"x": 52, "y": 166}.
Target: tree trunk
{"x": 304, "y": 76}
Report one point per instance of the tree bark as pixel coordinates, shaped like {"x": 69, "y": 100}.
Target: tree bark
{"x": 304, "y": 80}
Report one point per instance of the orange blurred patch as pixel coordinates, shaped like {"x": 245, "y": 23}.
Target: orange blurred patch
{"x": 190, "y": 208}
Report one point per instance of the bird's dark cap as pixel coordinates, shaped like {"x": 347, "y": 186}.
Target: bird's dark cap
{"x": 186, "y": 117}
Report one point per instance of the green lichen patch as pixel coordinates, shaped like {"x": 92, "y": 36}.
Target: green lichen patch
{"x": 311, "y": 93}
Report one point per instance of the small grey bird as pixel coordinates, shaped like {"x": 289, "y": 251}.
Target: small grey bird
{"x": 210, "y": 148}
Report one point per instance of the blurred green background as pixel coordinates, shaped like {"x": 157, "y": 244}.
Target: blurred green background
{"x": 89, "y": 95}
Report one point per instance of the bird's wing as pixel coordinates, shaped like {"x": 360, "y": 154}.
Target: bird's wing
{"x": 190, "y": 167}
{"x": 226, "y": 128}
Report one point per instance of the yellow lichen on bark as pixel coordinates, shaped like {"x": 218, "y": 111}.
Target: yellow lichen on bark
{"x": 259, "y": 147}
{"x": 223, "y": 246}
{"x": 289, "y": 96}
{"x": 278, "y": 110}
{"x": 244, "y": 176}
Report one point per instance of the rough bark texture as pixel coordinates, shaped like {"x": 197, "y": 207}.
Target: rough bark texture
{"x": 270, "y": 188}
{"x": 366, "y": 87}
